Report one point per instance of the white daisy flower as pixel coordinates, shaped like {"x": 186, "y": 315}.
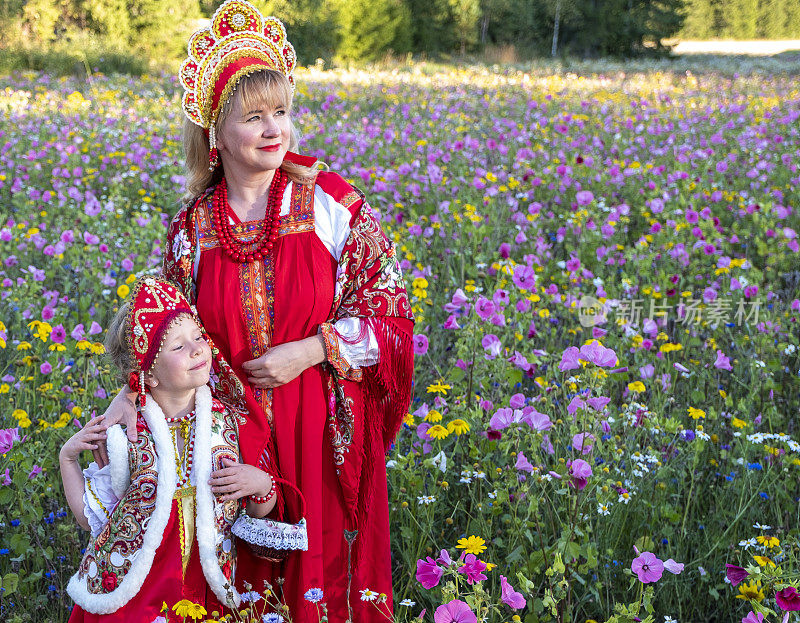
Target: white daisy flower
{"x": 368, "y": 595}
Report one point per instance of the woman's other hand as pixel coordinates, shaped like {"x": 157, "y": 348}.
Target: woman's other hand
{"x": 122, "y": 410}
{"x": 285, "y": 362}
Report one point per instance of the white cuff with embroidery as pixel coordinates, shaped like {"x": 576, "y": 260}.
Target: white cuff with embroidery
{"x": 364, "y": 352}
{"x": 98, "y": 496}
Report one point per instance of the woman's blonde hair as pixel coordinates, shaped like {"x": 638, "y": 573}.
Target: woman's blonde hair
{"x": 265, "y": 86}
{"x": 118, "y": 349}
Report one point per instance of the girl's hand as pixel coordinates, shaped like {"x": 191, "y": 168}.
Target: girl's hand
{"x": 237, "y": 480}
{"x": 87, "y": 438}
{"x": 285, "y": 362}
{"x": 121, "y": 410}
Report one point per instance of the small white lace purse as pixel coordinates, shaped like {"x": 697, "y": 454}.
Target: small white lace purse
{"x": 271, "y": 539}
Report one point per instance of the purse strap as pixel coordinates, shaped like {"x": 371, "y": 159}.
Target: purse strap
{"x": 299, "y": 494}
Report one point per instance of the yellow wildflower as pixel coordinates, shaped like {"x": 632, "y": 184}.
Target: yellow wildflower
{"x": 696, "y": 414}
{"x": 19, "y": 414}
{"x": 23, "y": 346}
{"x": 438, "y": 387}
{"x": 458, "y": 426}
{"x": 763, "y": 561}
{"x": 737, "y": 423}
{"x": 437, "y": 431}
{"x": 751, "y": 591}
{"x": 408, "y": 420}
{"x": 82, "y": 345}
{"x": 768, "y": 541}
{"x": 185, "y": 608}
{"x": 472, "y": 545}
{"x": 433, "y": 416}
{"x": 123, "y": 291}
{"x": 97, "y": 348}
{"x": 637, "y": 387}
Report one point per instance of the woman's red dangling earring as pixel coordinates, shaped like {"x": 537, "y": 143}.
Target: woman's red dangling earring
{"x": 213, "y": 155}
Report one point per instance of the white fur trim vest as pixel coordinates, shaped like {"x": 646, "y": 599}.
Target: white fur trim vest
{"x": 144, "y": 474}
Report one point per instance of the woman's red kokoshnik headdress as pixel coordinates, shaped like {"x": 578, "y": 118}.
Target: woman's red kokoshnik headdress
{"x": 154, "y": 305}
{"x": 239, "y": 41}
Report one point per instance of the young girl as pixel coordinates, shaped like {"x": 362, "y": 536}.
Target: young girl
{"x": 160, "y": 513}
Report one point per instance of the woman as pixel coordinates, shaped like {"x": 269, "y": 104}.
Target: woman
{"x": 301, "y": 293}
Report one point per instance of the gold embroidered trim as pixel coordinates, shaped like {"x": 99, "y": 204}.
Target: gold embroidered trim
{"x": 349, "y": 199}
{"x": 97, "y": 499}
{"x": 334, "y": 355}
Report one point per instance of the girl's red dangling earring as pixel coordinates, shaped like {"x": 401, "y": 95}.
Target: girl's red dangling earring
{"x": 213, "y": 155}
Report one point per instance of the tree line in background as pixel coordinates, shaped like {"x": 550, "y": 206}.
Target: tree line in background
{"x": 369, "y": 30}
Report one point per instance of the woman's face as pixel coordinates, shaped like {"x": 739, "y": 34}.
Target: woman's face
{"x": 254, "y": 140}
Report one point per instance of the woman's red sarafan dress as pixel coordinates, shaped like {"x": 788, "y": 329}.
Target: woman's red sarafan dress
{"x": 246, "y": 308}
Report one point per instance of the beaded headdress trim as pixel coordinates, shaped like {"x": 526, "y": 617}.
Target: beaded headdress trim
{"x": 155, "y": 305}
{"x": 239, "y": 41}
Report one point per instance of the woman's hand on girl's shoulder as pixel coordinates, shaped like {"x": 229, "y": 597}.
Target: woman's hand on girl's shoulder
{"x": 87, "y": 438}
{"x": 122, "y": 410}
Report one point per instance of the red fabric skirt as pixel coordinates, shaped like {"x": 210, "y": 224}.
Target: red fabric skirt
{"x": 165, "y": 583}
{"x": 296, "y": 295}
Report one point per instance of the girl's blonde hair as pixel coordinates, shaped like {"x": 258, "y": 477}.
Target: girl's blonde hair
{"x": 118, "y": 349}
{"x": 265, "y": 86}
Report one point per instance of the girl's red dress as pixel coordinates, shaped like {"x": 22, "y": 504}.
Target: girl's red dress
{"x": 166, "y": 583}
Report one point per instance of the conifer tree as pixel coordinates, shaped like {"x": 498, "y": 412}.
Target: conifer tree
{"x": 162, "y": 27}
{"x": 371, "y": 29}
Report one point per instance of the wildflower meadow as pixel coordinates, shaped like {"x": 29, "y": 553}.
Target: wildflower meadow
{"x": 604, "y": 266}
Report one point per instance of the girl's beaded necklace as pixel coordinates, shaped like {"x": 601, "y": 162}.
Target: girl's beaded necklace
{"x": 184, "y": 491}
{"x": 183, "y": 461}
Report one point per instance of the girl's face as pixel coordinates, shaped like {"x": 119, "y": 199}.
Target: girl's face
{"x": 254, "y": 140}
{"x": 184, "y": 362}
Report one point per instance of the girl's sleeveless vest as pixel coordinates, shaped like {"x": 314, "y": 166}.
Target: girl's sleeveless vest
{"x": 143, "y": 475}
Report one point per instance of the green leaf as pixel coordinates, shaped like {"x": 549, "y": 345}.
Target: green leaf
{"x": 516, "y": 554}
{"x": 6, "y": 496}
{"x": 10, "y": 583}
{"x": 524, "y": 584}
{"x": 20, "y": 544}
{"x": 572, "y": 551}
{"x": 591, "y": 555}
{"x": 456, "y": 375}
{"x": 645, "y": 544}
{"x": 514, "y": 376}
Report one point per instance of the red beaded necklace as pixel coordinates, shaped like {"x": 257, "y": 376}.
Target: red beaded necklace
{"x": 267, "y": 233}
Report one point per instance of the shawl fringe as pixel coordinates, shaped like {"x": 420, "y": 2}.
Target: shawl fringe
{"x": 387, "y": 391}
